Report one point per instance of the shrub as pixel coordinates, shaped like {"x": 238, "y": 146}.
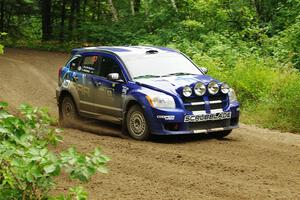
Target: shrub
{"x": 268, "y": 93}
{"x": 28, "y": 165}
{"x": 1, "y": 46}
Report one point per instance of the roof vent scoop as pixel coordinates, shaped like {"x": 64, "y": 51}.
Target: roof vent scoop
{"x": 151, "y": 51}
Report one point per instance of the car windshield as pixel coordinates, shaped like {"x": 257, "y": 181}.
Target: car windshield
{"x": 159, "y": 64}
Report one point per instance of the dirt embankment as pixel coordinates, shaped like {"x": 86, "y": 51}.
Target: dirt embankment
{"x": 252, "y": 163}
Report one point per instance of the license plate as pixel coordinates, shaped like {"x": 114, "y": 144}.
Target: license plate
{"x": 207, "y": 117}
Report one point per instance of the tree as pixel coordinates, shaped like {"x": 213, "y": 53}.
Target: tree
{"x": 113, "y": 10}
{"x": 1, "y": 16}
{"x": 46, "y": 19}
{"x": 62, "y": 21}
{"x": 173, "y": 2}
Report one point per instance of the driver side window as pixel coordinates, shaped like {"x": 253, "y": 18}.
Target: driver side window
{"x": 74, "y": 64}
{"x": 90, "y": 65}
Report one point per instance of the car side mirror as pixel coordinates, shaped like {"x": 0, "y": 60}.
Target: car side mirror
{"x": 204, "y": 70}
{"x": 113, "y": 76}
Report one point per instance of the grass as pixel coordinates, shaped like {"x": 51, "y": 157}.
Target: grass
{"x": 269, "y": 93}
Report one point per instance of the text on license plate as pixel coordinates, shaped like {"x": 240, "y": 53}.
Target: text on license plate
{"x": 207, "y": 117}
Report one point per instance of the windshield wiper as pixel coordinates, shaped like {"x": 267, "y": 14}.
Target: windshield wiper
{"x": 146, "y": 76}
{"x": 178, "y": 74}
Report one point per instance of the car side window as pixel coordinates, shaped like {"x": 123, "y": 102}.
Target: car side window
{"x": 90, "y": 65}
{"x": 74, "y": 64}
{"x": 109, "y": 65}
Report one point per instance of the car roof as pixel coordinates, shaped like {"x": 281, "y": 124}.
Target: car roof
{"x": 125, "y": 50}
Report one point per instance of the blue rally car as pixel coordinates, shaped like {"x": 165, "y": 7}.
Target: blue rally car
{"x": 149, "y": 90}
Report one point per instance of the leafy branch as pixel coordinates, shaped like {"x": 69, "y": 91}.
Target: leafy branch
{"x": 28, "y": 166}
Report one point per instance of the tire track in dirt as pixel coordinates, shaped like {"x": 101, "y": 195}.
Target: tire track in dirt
{"x": 252, "y": 163}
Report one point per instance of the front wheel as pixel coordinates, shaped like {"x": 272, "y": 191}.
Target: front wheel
{"x": 137, "y": 124}
{"x": 221, "y": 134}
{"x": 68, "y": 112}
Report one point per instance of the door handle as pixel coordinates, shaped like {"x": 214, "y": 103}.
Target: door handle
{"x": 96, "y": 82}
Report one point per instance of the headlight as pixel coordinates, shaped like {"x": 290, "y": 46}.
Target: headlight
{"x": 225, "y": 88}
{"x": 213, "y": 87}
{"x": 232, "y": 95}
{"x": 161, "y": 100}
{"x": 200, "y": 89}
{"x": 187, "y": 91}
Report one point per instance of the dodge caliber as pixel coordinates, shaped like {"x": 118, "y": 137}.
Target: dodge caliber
{"x": 148, "y": 90}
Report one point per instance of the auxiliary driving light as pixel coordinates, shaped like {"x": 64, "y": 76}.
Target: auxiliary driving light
{"x": 187, "y": 91}
{"x": 213, "y": 88}
{"x": 225, "y": 88}
{"x": 200, "y": 89}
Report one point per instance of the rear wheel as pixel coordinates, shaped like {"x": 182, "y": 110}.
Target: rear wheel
{"x": 137, "y": 124}
{"x": 221, "y": 134}
{"x": 68, "y": 112}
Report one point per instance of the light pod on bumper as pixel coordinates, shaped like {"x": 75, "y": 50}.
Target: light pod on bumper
{"x": 187, "y": 91}
{"x": 225, "y": 88}
{"x": 213, "y": 88}
{"x": 200, "y": 89}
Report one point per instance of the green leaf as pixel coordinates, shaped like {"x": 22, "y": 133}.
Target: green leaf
{"x": 43, "y": 152}
{"x": 79, "y": 193}
{"x": 17, "y": 162}
{"x": 34, "y": 152}
{"x": 102, "y": 169}
{"x": 50, "y": 168}
{"x": 3, "y": 104}
{"x": 4, "y": 130}
{"x": 5, "y": 115}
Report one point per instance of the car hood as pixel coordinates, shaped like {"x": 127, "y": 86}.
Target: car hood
{"x": 174, "y": 84}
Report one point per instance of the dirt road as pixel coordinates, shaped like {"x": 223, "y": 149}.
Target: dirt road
{"x": 252, "y": 163}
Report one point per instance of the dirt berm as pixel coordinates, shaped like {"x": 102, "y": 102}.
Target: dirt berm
{"x": 251, "y": 163}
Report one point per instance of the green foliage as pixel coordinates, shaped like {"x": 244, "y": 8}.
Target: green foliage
{"x": 74, "y": 193}
{"x": 28, "y": 165}
{"x": 1, "y": 46}
{"x": 267, "y": 92}
{"x": 286, "y": 46}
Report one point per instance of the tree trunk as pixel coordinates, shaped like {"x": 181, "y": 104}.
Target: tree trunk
{"x": 146, "y": 7}
{"x": 257, "y": 7}
{"x": 173, "y": 2}
{"x": 113, "y": 10}
{"x": 84, "y": 10}
{"x": 137, "y": 5}
{"x": 77, "y": 16}
{"x": 98, "y": 10}
{"x": 2, "y": 16}
{"x": 62, "y": 21}
{"x": 132, "y": 2}
{"x": 46, "y": 19}
{"x": 83, "y": 14}
{"x": 71, "y": 20}
{"x": 77, "y": 13}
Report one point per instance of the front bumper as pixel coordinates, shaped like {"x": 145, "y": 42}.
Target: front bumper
{"x": 171, "y": 121}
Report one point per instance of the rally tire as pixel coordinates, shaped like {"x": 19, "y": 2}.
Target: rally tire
{"x": 221, "y": 134}
{"x": 68, "y": 112}
{"x": 136, "y": 123}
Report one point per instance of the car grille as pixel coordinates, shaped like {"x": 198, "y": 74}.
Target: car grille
{"x": 216, "y": 102}
{"x": 194, "y": 107}
{"x": 192, "y": 100}
{"x": 208, "y": 124}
